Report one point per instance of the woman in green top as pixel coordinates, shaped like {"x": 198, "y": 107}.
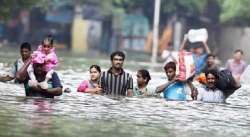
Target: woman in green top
{"x": 143, "y": 78}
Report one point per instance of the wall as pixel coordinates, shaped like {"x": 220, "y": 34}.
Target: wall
{"x": 232, "y": 38}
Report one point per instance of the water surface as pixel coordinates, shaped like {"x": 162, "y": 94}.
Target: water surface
{"x": 77, "y": 114}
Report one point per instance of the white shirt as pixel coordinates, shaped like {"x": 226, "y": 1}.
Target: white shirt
{"x": 209, "y": 95}
{"x": 15, "y": 67}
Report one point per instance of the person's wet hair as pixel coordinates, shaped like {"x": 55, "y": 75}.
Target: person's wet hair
{"x": 117, "y": 53}
{"x": 48, "y": 38}
{"x": 145, "y": 74}
{"x": 170, "y": 65}
{"x": 25, "y": 45}
{"x": 98, "y": 68}
{"x": 211, "y": 55}
{"x": 213, "y": 72}
{"x": 196, "y": 45}
{"x": 239, "y": 50}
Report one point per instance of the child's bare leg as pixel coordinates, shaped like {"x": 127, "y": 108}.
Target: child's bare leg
{"x": 44, "y": 84}
{"x": 32, "y": 81}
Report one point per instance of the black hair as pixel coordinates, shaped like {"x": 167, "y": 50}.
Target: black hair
{"x": 145, "y": 74}
{"x": 170, "y": 65}
{"x": 211, "y": 55}
{"x": 48, "y": 38}
{"x": 25, "y": 45}
{"x": 196, "y": 45}
{"x": 117, "y": 53}
{"x": 239, "y": 50}
{"x": 213, "y": 72}
{"x": 98, "y": 68}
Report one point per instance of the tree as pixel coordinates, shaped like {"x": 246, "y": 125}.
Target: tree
{"x": 7, "y": 7}
{"x": 235, "y": 11}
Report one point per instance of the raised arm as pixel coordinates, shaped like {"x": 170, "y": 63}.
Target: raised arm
{"x": 207, "y": 49}
{"x": 183, "y": 44}
{"x": 161, "y": 88}
{"x": 22, "y": 73}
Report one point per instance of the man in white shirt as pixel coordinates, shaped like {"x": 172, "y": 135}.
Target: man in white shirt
{"x": 210, "y": 93}
{"x": 25, "y": 51}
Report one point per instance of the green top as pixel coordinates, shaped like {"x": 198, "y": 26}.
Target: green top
{"x": 140, "y": 92}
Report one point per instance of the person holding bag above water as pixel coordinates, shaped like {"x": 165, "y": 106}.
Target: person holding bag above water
{"x": 211, "y": 91}
{"x": 174, "y": 89}
{"x": 197, "y": 49}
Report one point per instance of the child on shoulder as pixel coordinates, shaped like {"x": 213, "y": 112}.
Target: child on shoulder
{"x": 45, "y": 51}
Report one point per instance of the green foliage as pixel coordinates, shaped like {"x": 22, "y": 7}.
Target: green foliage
{"x": 232, "y": 11}
{"x": 8, "y": 6}
{"x": 187, "y": 7}
{"x": 235, "y": 11}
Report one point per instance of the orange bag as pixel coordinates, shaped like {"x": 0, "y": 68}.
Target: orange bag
{"x": 202, "y": 78}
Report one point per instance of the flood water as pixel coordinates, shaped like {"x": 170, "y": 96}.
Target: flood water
{"x": 77, "y": 114}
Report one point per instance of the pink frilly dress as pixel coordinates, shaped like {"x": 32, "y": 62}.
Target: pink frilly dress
{"x": 50, "y": 60}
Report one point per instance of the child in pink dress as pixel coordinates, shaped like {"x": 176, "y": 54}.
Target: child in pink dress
{"x": 45, "y": 52}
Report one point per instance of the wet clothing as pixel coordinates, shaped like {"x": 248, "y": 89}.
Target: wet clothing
{"x": 84, "y": 85}
{"x": 208, "y": 95}
{"x": 235, "y": 67}
{"x": 113, "y": 84}
{"x": 54, "y": 82}
{"x": 140, "y": 92}
{"x": 178, "y": 91}
{"x": 15, "y": 67}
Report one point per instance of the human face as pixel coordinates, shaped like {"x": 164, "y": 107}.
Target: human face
{"x": 198, "y": 50}
{"x": 170, "y": 73}
{"x": 238, "y": 56}
{"x": 140, "y": 79}
{"x": 94, "y": 74}
{"x": 211, "y": 81}
{"x": 25, "y": 53}
{"x": 117, "y": 62}
{"x": 46, "y": 46}
{"x": 39, "y": 69}
{"x": 210, "y": 60}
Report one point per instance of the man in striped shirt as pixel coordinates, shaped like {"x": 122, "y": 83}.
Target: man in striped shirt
{"x": 116, "y": 81}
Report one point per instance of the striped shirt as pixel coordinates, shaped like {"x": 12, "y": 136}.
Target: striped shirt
{"x": 209, "y": 95}
{"x": 116, "y": 84}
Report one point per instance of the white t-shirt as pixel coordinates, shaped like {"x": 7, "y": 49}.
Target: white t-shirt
{"x": 15, "y": 67}
{"x": 209, "y": 95}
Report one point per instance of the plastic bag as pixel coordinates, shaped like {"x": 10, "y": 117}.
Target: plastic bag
{"x": 197, "y": 35}
{"x": 186, "y": 65}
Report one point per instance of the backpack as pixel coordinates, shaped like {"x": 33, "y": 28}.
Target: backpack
{"x": 226, "y": 82}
